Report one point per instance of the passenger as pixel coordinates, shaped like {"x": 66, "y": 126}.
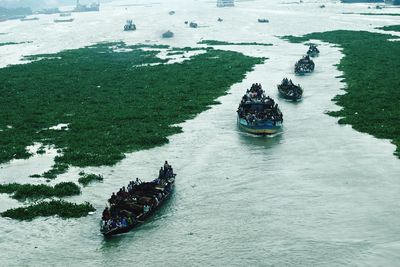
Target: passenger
{"x": 161, "y": 173}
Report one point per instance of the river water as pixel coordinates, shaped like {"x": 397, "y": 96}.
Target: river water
{"x": 318, "y": 194}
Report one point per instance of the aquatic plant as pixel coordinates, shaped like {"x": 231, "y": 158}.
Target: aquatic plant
{"x": 215, "y": 42}
{"x": 29, "y": 191}
{"x": 55, "y": 207}
{"x": 113, "y": 102}
{"x": 370, "y": 69}
{"x": 394, "y": 28}
{"x": 88, "y": 178}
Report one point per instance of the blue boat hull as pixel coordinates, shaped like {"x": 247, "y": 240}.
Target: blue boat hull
{"x": 264, "y": 128}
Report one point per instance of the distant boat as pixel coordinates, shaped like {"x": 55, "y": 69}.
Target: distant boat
{"x": 193, "y": 25}
{"x": 289, "y": 90}
{"x": 65, "y": 14}
{"x": 171, "y": 12}
{"x": 86, "y": 8}
{"x": 168, "y": 34}
{"x": 225, "y": 3}
{"x": 263, "y": 20}
{"x": 129, "y": 26}
{"x": 63, "y": 20}
{"x": 29, "y": 19}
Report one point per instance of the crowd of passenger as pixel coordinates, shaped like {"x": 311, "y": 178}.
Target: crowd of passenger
{"x": 256, "y": 107}
{"x": 312, "y": 50}
{"x": 305, "y": 64}
{"x": 132, "y": 203}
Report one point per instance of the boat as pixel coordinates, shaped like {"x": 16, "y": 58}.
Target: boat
{"x": 225, "y": 3}
{"x": 29, "y": 19}
{"x": 132, "y": 206}
{"x": 129, "y": 26}
{"x": 220, "y": 20}
{"x": 65, "y": 14}
{"x": 64, "y": 20}
{"x": 193, "y": 25}
{"x": 171, "y": 12}
{"x": 313, "y": 50}
{"x": 288, "y": 90}
{"x": 168, "y": 34}
{"x": 258, "y": 114}
{"x": 304, "y": 65}
{"x": 263, "y": 20}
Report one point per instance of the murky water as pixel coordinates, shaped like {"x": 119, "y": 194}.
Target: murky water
{"x": 319, "y": 194}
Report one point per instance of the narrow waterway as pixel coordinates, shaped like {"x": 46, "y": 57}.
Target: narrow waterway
{"x": 318, "y": 194}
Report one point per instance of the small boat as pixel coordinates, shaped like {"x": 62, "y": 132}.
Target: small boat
{"x": 63, "y": 20}
{"x": 133, "y": 206}
{"x": 220, "y": 20}
{"x": 263, "y": 20}
{"x": 66, "y": 14}
{"x": 313, "y": 51}
{"x": 167, "y": 34}
{"x": 193, "y": 25}
{"x": 29, "y": 19}
{"x": 258, "y": 114}
{"x": 304, "y": 65}
{"x": 289, "y": 90}
{"x": 171, "y": 12}
{"x": 129, "y": 26}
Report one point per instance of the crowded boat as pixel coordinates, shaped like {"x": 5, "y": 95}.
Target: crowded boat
{"x": 304, "y": 65}
{"x": 287, "y": 89}
{"x": 313, "y": 50}
{"x": 133, "y": 204}
{"x": 129, "y": 26}
{"x": 258, "y": 113}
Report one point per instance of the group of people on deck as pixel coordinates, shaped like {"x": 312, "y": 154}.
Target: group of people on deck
{"x": 256, "y": 107}
{"x": 131, "y": 203}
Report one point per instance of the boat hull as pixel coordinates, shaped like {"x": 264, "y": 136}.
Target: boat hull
{"x": 266, "y": 128}
{"x": 142, "y": 219}
{"x": 294, "y": 97}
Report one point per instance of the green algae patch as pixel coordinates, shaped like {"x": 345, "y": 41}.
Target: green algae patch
{"x": 394, "y": 28}
{"x": 115, "y": 99}
{"x": 216, "y": 43}
{"x": 370, "y": 67}
{"x": 45, "y": 209}
{"x": 29, "y": 191}
{"x": 88, "y": 178}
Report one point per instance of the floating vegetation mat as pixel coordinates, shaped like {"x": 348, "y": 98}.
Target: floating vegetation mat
{"x": 113, "y": 97}
{"x": 45, "y": 209}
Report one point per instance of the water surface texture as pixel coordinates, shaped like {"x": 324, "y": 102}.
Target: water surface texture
{"x": 318, "y": 194}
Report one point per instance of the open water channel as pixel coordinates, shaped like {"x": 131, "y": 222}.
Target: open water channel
{"x": 318, "y": 194}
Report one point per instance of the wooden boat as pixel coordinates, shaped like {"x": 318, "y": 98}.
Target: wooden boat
{"x": 161, "y": 187}
{"x": 129, "y": 26}
{"x": 263, "y": 20}
{"x": 304, "y": 66}
{"x": 63, "y": 20}
{"x": 265, "y": 127}
{"x": 258, "y": 114}
{"x": 291, "y": 92}
{"x": 313, "y": 51}
{"x": 167, "y": 34}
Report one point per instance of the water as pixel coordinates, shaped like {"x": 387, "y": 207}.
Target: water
{"x": 319, "y": 194}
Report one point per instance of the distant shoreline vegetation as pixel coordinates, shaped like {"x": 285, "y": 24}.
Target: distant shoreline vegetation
{"x": 370, "y": 70}
{"x": 372, "y": 14}
{"x": 394, "y": 28}
{"x": 14, "y": 43}
{"x": 215, "y": 43}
